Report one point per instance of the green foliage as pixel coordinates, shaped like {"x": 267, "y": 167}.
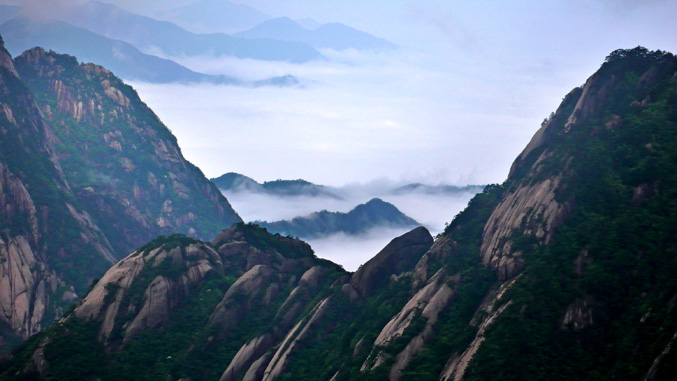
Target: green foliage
{"x": 622, "y": 232}
{"x": 614, "y": 257}
{"x": 167, "y": 243}
{"x": 260, "y": 237}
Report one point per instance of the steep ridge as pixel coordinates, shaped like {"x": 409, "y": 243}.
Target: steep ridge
{"x": 210, "y": 16}
{"x": 122, "y": 163}
{"x": 123, "y": 58}
{"x": 225, "y": 304}
{"x": 24, "y": 33}
{"x": 149, "y": 34}
{"x": 87, "y": 174}
{"x": 46, "y": 237}
{"x": 565, "y": 271}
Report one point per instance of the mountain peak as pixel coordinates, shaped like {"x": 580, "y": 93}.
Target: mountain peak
{"x": 400, "y": 255}
{"x": 372, "y": 214}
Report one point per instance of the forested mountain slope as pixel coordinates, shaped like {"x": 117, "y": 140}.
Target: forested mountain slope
{"x": 88, "y": 173}
{"x": 565, "y": 271}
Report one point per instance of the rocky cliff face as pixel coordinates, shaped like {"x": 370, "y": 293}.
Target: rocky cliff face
{"x": 122, "y": 163}
{"x": 565, "y": 271}
{"x": 216, "y": 291}
{"x": 44, "y": 235}
{"x": 87, "y": 174}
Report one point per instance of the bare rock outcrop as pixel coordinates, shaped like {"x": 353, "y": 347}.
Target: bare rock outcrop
{"x": 442, "y": 298}
{"x": 23, "y": 280}
{"x": 531, "y": 210}
{"x": 427, "y": 303}
{"x": 400, "y": 255}
{"x": 6, "y": 59}
{"x": 239, "y": 296}
{"x": 278, "y": 362}
{"x": 579, "y": 314}
{"x": 438, "y": 253}
{"x": 161, "y": 294}
{"x": 489, "y": 311}
{"x": 246, "y": 356}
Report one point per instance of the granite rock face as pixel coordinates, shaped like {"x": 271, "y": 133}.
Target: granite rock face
{"x": 397, "y": 257}
{"x": 44, "y": 235}
{"x": 87, "y": 174}
{"x": 567, "y": 266}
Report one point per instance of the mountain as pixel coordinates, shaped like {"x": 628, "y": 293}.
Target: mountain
{"x": 235, "y": 182}
{"x": 334, "y": 36}
{"x": 88, "y": 174}
{"x": 564, "y": 271}
{"x": 47, "y": 238}
{"x": 207, "y": 296}
{"x": 373, "y": 214}
{"x": 122, "y": 163}
{"x": 151, "y": 35}
{"x": 212, "y": 16}
{"x": 437, "y": 189}
{"x": 297, "y": 187}
{"x": 120, "y": 57}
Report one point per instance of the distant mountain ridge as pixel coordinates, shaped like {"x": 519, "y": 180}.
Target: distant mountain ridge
{"x": 235, "y": 182}
{"x": 374, "y": 214}
{"x": 121, "y": 57}
{"x": 334, "y": 36}
{"x": 149, "y": 34}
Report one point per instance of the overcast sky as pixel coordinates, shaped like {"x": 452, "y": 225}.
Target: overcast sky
{"x": 456, "y": 104}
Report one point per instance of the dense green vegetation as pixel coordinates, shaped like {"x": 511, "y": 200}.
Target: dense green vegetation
{"x": 622, "y": 233}
{"x": 596, "y": 302}
{"x": 614, "y": 258}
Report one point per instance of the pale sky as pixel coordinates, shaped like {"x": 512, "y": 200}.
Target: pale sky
{"x": 456, "y": 104}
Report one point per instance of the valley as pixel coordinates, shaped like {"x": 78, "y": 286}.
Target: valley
{"x": 287, "y": 197}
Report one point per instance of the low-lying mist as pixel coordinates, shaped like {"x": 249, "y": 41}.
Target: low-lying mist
{"x": 431, "y": 210}
{"x": 404, "y": 115}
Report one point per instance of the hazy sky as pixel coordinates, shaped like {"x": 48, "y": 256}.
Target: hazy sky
{"x": 456, "y": 104}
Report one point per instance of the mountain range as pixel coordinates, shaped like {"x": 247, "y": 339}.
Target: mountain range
{"x": 121, "y": 57}
{"x": 564, "y": 271}
{"x": 375, "y": 213}
{"x": 140, "y": 48}
{"x": 235, "y": 182}
{"x": 124, "y": 58}
{"x": 89, "y": 173}
{"x": 149, "y": 34}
